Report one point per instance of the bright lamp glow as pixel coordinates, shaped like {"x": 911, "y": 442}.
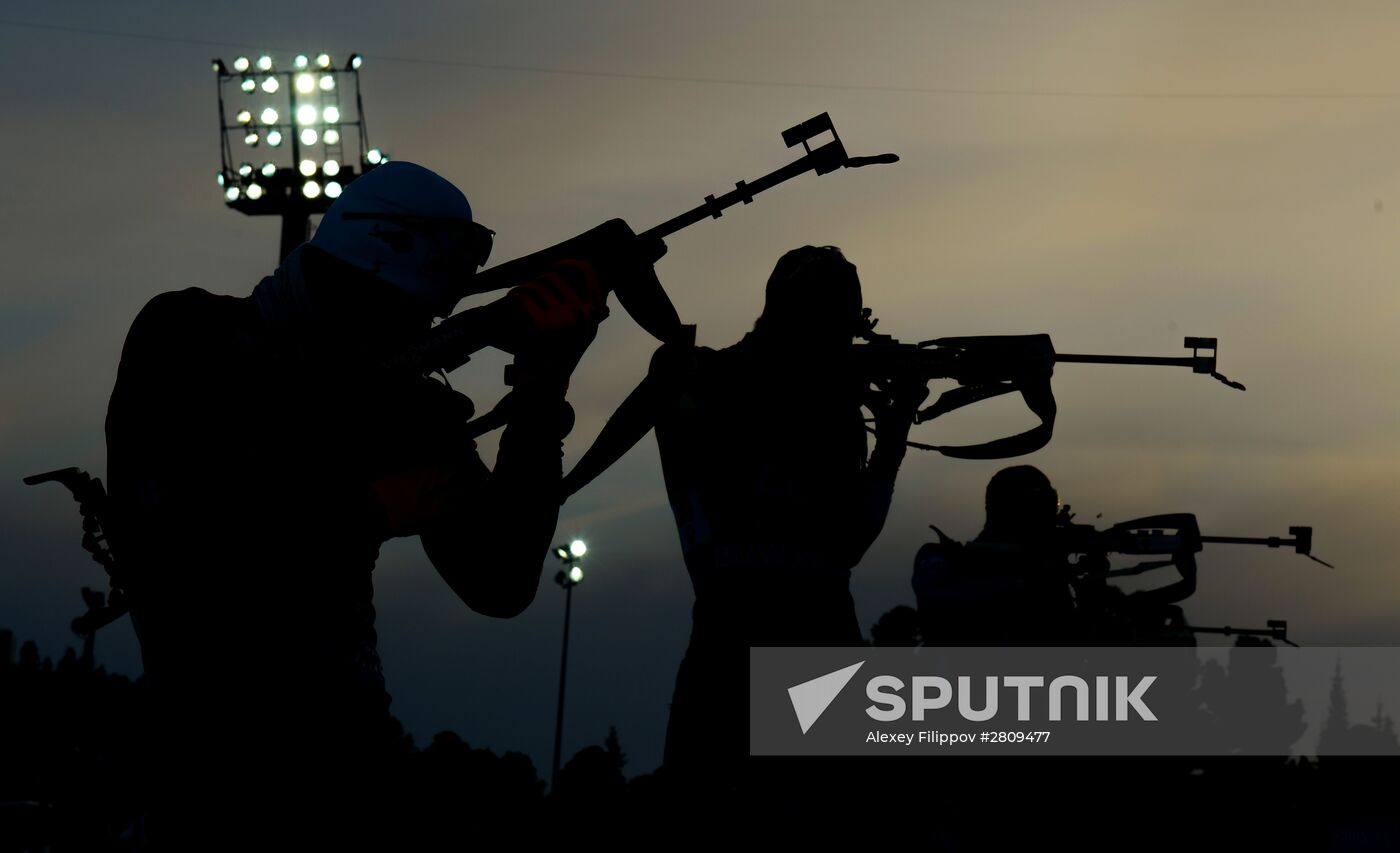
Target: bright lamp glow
{"x": 310, "y": 189}
{"x": 300, "y": 62}
{"x": 306, "y": 114}
{"x": 331, "y": 136}
{"x": 331, "y": 168}
{"x": 241, "y": 64}
{"x": 269, "y": 116}
{"x": 332, "y": 189}
{"x": 323, "y": 60}
{"x": 270, "y": 85}
{"x": 231, "y": 193}
{"x": 308, "y": 136}
{"x": 274, "y": 138}
{"x": 264, "y": 63}
{"x": 305, "y": 83}
{"x": 248, "y": 85}
{"x": 308, "y": 167}
{"x": 331, "y": 115}
{"x": 244, "y": 116}
{"x": 577, "y": 548}
{"x": 220, "y": 178}
{"x": 576, "y": 574}
{"x": 251, "y": 138}
{"x": 245, "y": 169}
{"x": 327, "y": 83}
{"x": 356, "y": 61}
{"x": 269, "y": 169}
{"x": 254, "y": 192}
{"x": 374, "y": 156}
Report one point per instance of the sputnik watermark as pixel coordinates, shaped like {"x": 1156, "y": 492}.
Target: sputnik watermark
{"x": 889, "y": 705}
{"x": 811, "y": 698}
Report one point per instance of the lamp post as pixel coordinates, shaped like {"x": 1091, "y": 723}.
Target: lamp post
{"x": 568, "y": 577}
{"x": 298, "y": 118}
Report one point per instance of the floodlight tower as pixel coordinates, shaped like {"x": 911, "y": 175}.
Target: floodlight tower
{"x": 298, "y": 117}
{"x": 569, "y": 577}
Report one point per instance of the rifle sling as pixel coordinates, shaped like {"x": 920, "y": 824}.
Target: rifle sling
{"x": 1039, "y": 398}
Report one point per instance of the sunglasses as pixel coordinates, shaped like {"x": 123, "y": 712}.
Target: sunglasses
{"x": 453, "y": 234}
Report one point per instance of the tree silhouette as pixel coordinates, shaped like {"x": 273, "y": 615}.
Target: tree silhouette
{"x": 1341, "y": 737}
{"x": 1250, "y": 702}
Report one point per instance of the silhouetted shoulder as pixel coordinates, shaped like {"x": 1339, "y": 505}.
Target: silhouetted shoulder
{"x": 179, "y": 343}
{"x": 173, "y": 311}
{"x": 180, "y": 322}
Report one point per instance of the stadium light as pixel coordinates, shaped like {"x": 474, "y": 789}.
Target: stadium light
{"x": 291, "y": 106}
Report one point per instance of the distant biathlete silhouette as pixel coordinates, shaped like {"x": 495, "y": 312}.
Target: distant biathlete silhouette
{"x": 1009, "y": 586}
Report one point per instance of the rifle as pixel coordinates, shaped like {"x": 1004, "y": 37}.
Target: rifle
{"x": 1173, "y": 625}
{"x": 91, "y": 496}
{"x": 1177, "y": 536}
{"x": 992, "y": 365}
{"x": 451, "y": 343}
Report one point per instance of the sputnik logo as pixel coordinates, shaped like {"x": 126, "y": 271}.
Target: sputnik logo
{"x": 810, "y": 699}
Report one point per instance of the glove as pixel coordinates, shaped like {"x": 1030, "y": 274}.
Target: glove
{"x": 568, "y": 296}
{"x": 409, "y": 500}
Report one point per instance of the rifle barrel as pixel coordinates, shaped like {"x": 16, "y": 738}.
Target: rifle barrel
{"x": 1179, "y": 361}
{"x": 1274, "y": 633}
{"x": 744, "y": 191}
{"x": 1271, "y": 541}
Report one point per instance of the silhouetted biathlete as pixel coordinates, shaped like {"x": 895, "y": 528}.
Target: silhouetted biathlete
{"x": 763, "y": 447}
{"x": 1015, "y": 584}
{"x": 258, "y": 457}
{"x": 1008, "y": 586}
